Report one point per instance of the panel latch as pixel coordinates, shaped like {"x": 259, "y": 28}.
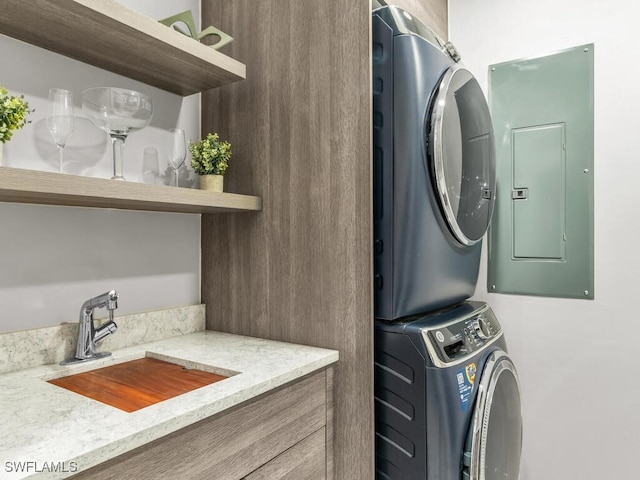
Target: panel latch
{"x": 519, "y": 193}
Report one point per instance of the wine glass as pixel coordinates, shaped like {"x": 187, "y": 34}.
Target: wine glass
{"x": 177, "y": 147}
{"x": 118, "y": 112}
{"x": 60, "y": 119}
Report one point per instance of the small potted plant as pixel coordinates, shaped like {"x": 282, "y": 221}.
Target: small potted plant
{"x": 13, "y": 116}
{"x": 210, "y": 159}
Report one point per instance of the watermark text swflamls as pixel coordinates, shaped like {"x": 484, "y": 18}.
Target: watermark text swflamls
{"x": 31, "y": 466}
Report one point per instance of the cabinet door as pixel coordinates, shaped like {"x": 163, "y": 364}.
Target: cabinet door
{"x": 304, "y": 461}
{"x": 230, "y": 444}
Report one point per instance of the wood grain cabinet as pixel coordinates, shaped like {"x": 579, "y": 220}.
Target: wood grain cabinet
{"x": 285, "y": 434}
{"x": 303, "y": 461}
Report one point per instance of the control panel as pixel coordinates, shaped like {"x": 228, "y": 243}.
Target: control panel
{"x": 455, "y": 341}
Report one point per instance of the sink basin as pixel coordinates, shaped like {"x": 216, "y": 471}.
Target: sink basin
{"x": 139, "y": 383}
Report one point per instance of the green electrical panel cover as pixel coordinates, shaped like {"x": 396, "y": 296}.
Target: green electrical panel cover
{"x": 541, "y": 235}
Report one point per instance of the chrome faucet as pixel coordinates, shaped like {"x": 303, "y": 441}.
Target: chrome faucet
{"x": 88, "y": 334}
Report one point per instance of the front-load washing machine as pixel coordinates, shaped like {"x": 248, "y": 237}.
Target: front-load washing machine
{"x": 447, "y": 398}
{"x": 434, "y": 169}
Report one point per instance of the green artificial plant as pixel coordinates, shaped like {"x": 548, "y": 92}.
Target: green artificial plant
{"x": 210, "y": 156}
{"x": 13, "y": 114}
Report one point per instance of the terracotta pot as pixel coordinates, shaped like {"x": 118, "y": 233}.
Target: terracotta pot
{"x": 213, "y": 183}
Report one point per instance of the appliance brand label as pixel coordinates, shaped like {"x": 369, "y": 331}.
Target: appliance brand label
{"x": 466, "y": 378}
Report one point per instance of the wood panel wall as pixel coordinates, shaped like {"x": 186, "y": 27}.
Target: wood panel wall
{"x": 300, "y": 125}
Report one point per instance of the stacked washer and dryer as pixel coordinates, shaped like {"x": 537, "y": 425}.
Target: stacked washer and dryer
{"x": 447, "y": 399}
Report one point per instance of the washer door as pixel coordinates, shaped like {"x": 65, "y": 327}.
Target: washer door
{"x": 494, "y": 441}
{"x": 462, "y": 155}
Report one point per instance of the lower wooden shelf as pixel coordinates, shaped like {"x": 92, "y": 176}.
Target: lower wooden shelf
{"x": 46, "y": 188}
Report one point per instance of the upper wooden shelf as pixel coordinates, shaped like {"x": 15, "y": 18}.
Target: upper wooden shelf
{"x": 30, "y": 186}
{"x": 111, "y": 36}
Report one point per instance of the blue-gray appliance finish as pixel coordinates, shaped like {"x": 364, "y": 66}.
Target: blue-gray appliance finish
{"x": 434, "y": 169}
{"x": 447, "y": 398}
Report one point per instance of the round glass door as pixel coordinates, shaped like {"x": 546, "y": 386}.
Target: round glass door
{"x": 494, "y": 441}
{"x": 462, "y": 154}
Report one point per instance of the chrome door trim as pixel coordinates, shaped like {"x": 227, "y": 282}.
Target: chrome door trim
{"x": 496, "y": 363}
{"x": 437, "y": 116}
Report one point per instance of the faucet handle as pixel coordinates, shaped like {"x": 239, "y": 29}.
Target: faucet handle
{"x": 106, "y": 329}
{"x": 112, "y": 301}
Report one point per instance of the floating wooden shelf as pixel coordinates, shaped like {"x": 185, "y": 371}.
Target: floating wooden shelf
{"x": 30, "y": 186}
{"x": 107, "y": 34}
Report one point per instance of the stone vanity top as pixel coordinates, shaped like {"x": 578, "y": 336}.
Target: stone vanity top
{"x": 50, "y": 432}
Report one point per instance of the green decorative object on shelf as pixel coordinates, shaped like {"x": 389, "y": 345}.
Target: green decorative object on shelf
{"x": 210, "y": 155}
{"x": 210, "y": 159}
{"x": 13, "y": 114}
{"x": 186, "y": 18}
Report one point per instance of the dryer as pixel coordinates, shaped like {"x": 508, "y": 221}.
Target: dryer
{"x": 447, "y": 398}
{"x": 434, "y": 169}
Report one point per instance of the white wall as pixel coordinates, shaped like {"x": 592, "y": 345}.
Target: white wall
{"x": 576, "y": 358}
{"x": 53, "y": 258}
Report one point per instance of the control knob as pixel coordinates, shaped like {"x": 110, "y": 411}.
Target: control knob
{"x": 481, "y": 328}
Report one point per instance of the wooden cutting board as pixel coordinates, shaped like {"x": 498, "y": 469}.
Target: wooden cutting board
{"x": 133, "y": 385}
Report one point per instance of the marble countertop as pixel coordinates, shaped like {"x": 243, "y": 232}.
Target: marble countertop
{"x": 49, "y": 432}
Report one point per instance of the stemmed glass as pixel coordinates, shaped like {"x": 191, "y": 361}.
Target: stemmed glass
{"x": 60, "y": 119}
{"x": 118, "y": 112}
{"x": 177, "y": 147}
